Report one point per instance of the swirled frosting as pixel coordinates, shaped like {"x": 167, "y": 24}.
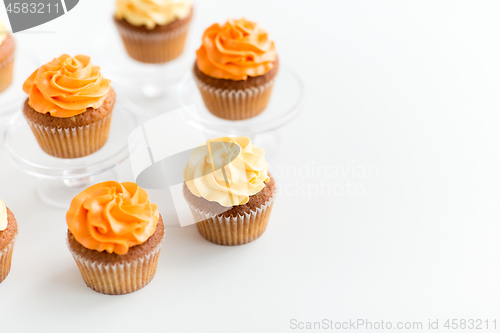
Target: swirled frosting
{"x": 66, "y": 87}
{"x": 3, "y": 216}
{"x": 112, "y": 217}
{"x": 226, "y": 170}
{"x": 3, "y": 33}
{"x": 235, "y": 51}
{"x": 151, "y": 13}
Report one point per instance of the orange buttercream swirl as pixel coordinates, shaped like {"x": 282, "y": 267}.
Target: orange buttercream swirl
{"x": 112, "y": 217}
{"x": 236, "y": 50}
{"x": 66, "y": 87}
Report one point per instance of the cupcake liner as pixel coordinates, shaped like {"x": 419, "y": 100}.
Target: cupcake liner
{"x": 6, "y": 259}
{"x": 235, "y": 104}
{"x": 118, "y": 278}
{"x": 233, "y": 230}
{"x": 6, "y": 72}
{"x": 154, "y": 47}
{"x": 72, "y": 142}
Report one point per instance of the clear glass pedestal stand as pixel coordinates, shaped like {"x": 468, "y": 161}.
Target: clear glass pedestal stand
{"x": 285, "y": 105}
{"x": 149, "y": 89}
{"x": 61, "y": 179}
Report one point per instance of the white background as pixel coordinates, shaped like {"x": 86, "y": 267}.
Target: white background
{"x": 409, "y": 88}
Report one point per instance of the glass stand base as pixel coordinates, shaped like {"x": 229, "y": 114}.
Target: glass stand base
{"x": 149, "y": 100}
{"x": 59, "y": 192}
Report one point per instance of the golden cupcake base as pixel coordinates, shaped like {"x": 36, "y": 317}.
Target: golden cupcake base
{"x": 234, "y": 230}
{"x": 159, "y": 45}
{"x": 118, "y": 278}
{"x": 235, "y": 104}
{"x": 72, "y": 142}
{"x": 6, "y": 260}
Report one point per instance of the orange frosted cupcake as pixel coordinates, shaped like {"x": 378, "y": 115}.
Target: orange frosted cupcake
{"x": 229, "y": 190}
{"x": 7, "y": 50}
{"x": 235, "y": 69}
{"x": 8, "y": 234}
{"x": 69, "y": 107}
{"x": 153, "y": 31}
{"x": 115, "y": 236}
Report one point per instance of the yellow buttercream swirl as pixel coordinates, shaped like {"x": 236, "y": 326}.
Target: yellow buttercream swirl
{"x": 226, "y": 170}
{"x": 3, "y": 33}
{"x": 112, "y": 217}
{"x": 3, "y": 216}
{"x": 151, "y": 13}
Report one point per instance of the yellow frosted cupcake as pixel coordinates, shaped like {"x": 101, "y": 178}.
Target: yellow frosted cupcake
{"x": 229, "y": 190}
{"x": 7, "y": 50}
{"x": 115, "y": 235}
{"x": 153, "y": 31}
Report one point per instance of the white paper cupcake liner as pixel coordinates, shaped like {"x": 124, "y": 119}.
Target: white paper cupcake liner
{"x": 118, "y": 278}
{"x": 235, "y": 104}
{"x": 72, "y": 142}
{"x": 154, "y": 47}
{"x": 234, "y": 230}
{"x": 6, "y": 72}
{"x": 6, "y": 259}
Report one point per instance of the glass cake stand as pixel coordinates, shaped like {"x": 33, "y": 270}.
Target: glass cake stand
{"x": 61, "y": 179}
{"x": 284, "y": 106}
{"x": 149, "y": 88}
{"x": 12, "y": 99}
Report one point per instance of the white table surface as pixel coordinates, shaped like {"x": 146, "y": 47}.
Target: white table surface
{"x": 407, "y": 91}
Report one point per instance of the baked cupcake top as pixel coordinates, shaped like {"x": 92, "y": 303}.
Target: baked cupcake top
{"x": 3, "y": 33}
{"x": 236, "y": 50}
{"x": 66, "y": 87}
{"x": 3, "y": 216}
{"x": 112, "y": 217}
{"x": 150, "y": 13}
{"x": 226, "y": 170}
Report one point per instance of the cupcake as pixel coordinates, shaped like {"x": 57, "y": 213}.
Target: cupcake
{"x": 235, "y": 69}
{"x": 115, "y": 236}
{"x": 7, "y": 48}
{"x": 229, "y": 190}
{"x": 153, "y": 31}
{"x": 8, "y": 233}
{"x": 69, "y": 107}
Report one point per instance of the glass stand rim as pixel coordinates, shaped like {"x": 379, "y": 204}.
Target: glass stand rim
{"x": 282, "y": 109}
{"x": 44, "y": 166}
